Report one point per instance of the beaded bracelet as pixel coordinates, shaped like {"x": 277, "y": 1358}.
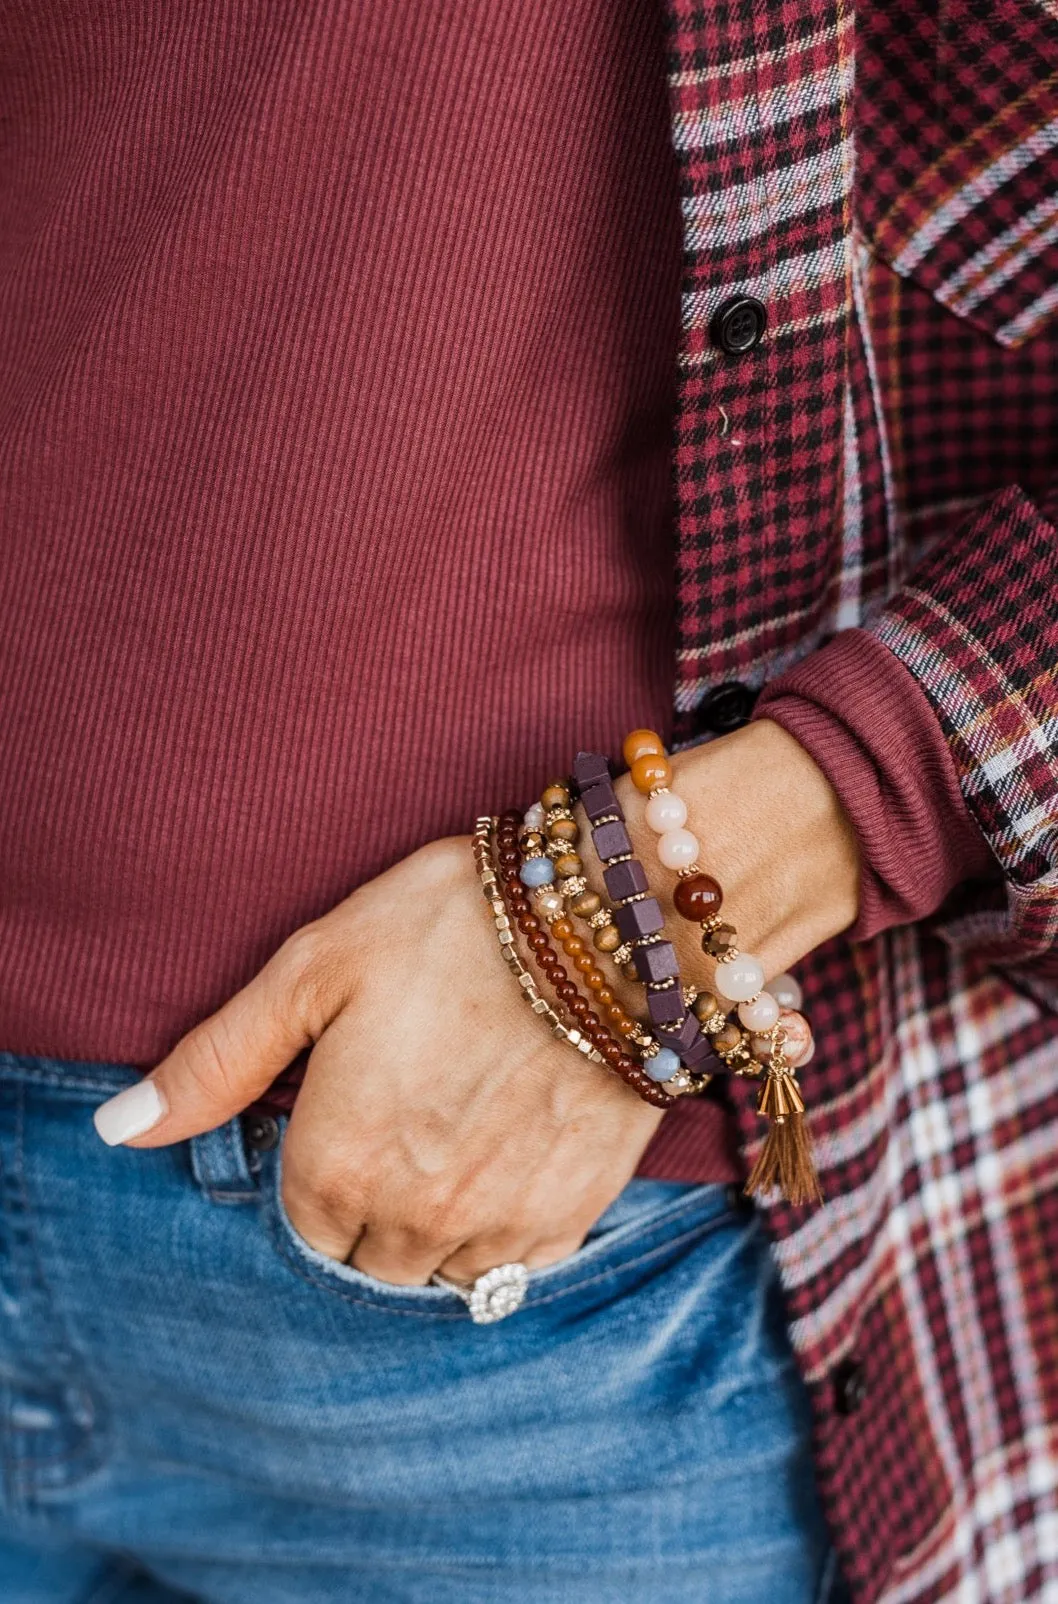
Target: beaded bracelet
{"x": 639, "y": 920}
{"x": 490, "y": 886}
{"x": 612, "y": 1050}
{"x": 738, "y": 980}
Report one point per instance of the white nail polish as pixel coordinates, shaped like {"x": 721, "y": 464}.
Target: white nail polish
{"x": 131, "y": 1113}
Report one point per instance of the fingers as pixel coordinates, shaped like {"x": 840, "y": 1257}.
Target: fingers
{"x": 232, "y": 1057}
{"x": 474, "y": 1258}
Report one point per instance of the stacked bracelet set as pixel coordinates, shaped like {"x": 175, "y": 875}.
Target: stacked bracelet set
{"x": 531, "y": 872}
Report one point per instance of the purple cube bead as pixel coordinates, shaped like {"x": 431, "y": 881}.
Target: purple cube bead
{"x": 657, "y": 962}
{"x": 665, "y": 1007}
{"x": 599, "y": 800}
{"x": 700, "y": 1057}
{"x": 638, "y": 919}
{"x": 589, "y": 768}
{"x": 625, "y": 880}
{"x": 683, "y": 1037}
{"x": 611, "y": 841}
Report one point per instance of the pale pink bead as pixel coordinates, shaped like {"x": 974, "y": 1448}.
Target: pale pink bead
{"x": 740, "y": 978}
{"x": 786, "y": 991}
{"x": 760, "y": 1013}
{"x": 798, "y": 1041}
{"x": 666, "y": 811}
{"x": 678, "y": 849}
{"x": 760, "y": 1047}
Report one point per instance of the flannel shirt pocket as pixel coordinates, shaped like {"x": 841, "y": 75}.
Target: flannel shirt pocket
{"x": 957, "y": 160}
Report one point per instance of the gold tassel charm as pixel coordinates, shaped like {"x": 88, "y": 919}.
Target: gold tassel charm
{"x": 786, "y": 1157}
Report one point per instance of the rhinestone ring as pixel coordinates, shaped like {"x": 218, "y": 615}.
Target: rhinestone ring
{"x": 494, "y": 1295}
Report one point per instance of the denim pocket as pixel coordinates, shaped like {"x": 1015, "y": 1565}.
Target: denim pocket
{"x": 645, "y": 1220}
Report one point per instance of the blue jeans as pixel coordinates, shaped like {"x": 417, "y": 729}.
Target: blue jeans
{"x": 196, "y": 1403}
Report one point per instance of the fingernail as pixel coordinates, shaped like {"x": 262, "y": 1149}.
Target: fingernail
{"x": 131, "y": 1113}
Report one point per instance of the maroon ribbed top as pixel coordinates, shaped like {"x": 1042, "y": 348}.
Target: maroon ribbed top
{"x": 337, "y": 355}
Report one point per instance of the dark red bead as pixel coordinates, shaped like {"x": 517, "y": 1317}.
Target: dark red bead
{"x": 566, "y": 990}
{"x": 538, "y": 941}
{"x": 698, "y": 898}
{"x": 578, "y": 1007}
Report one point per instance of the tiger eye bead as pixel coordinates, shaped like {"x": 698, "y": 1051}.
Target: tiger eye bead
{"x": 719, "y": 942}
{"x": 705, "y": 1005}
{"x": 698, "y": 898}
{"x": 568, "y": 865}
{"x": 563, "y": 830}
{"x": 651, "y": 772}
{"x": 642, "y": 743}
{"x": 727, "y": 1038}
{"x": 607, "y": 938}
{"x": 555, "y": 795}
{"x": 630, "y": 971}
{"x": 586, "y": 904}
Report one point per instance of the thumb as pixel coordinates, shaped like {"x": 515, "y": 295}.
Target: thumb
{"x": 221, "y": 1065}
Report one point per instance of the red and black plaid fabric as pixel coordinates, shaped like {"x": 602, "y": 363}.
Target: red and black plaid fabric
{"x": 885, "y": 179}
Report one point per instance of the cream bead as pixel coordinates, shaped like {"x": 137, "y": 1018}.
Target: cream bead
{"x": 760, "y": 1013}
{"x": 666, "y": 811}
{"x": 798, "y": 1034}
{"x": 740, "y": 978}
{"x": 786, "y": 991}
{"x": 550, "y": 904}
{"x": 678, "y": 849}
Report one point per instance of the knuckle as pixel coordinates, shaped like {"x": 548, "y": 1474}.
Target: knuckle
{"x": 314, "y": 970}
{"x": 333, "y": 1196}
{"x": 209, "y": 1067}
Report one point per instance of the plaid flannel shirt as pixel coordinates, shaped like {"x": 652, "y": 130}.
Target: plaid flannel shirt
{"x": 885, "y": 179}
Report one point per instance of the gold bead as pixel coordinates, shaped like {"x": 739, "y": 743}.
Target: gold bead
{"x": 607, "y": 938}
{"x": 567, "y": 865}
{"x": 563, "y": 830}
{"x": 555, "y": 795}
{"x": 588, "y": 903}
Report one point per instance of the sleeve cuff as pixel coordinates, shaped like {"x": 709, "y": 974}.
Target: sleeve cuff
{"x": 864, "y": 719}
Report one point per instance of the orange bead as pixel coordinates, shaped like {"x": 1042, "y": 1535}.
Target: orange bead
{"x": 563, "y": 929}
{"x": 573, "y": 946}
{"x": 605, "y": 996}
{"x": 642, "y": 743}
{"x": 595, "y": 979}
{"x": 651, "y": 772}
{"x": 616, "y": 1013}
{"x": 584, "y": 964}
{"x": 627, "y": 1027}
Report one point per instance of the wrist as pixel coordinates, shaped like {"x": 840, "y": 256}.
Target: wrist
{"x": 773, "y": 832}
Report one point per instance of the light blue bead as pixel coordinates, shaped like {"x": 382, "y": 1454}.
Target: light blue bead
{"x": 537, "y": 872}
{"x": 663, "y": 1065}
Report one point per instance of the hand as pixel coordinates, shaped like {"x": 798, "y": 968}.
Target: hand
{"x": 439, "y": 1127}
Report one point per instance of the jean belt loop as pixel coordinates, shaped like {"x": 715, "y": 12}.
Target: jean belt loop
{"x": 220, "y": 1164}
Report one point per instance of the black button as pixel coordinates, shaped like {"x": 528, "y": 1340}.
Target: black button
{"x": 738, "y": 325}
{"x": 725, "y": 708}
{"x": 850, "y": 1386}
{"x": 262, "y": 1132}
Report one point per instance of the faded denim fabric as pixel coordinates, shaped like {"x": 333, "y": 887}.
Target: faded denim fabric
{"x": 196, "y": 1403}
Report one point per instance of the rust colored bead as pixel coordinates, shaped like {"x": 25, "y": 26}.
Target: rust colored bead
{"x": 566, "y": 990}
{"x": 650, "y": 773}
{"x": 568, "y": 864}
{"x": 528, "y": 923}
{"x": 586, "y": 904}
{"x": 729, "y": 1037}
{"x": 579, "y": 1006}
{"x": 717, "y": 943}
{"x": 698, "y": 898}
{"x": 584, "y": 963}
{"x": 563, "y": 929}
{"x": 594, "y": 1024}
{"x": 612, "y": 1052}
{"x": 642, "y": 743}
{"x": 705, "y": 1005}
{"x": 538, "y": 941}
{"x": 607, "y": 938}
{"x": 563, "y": 830}
{"x": 555, "y": 795}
